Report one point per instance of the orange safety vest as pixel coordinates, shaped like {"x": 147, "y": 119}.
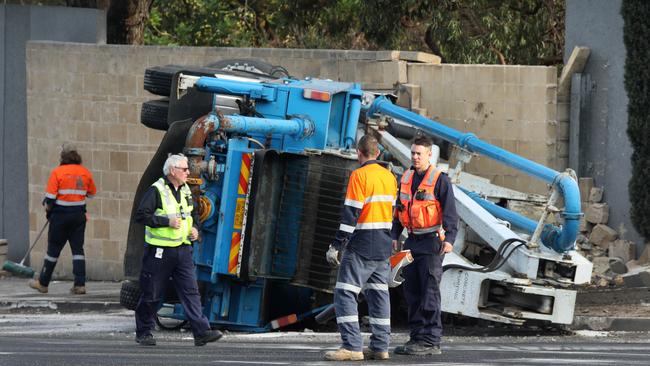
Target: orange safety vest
{"x": 372, "y": 190}
{"x": 423, "y": 214}
{"x": 70, "y": 184}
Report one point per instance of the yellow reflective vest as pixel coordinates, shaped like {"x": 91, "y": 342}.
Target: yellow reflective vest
{"x": 168, "y": 236}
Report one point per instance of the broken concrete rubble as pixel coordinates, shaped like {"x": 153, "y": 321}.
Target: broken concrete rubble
{"x": 596, "y": 194}
{"x": 640, "y": 277}
{"x": 623, "y": 249}
{"x": 601, "y": 265}
{"x": 597, "y": 213}
{"x": 617, "y": 265}
{"x": 602, "y": 235}
{"x": 585, "y": 184}
{"x": 613, "y": 257}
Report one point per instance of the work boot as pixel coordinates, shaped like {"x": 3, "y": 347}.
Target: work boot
{"x": 421, "y": 349}
{"x": 146, "y": 340}
{"x": 401, "y": 350}
{"x": 343, "y": 354}
{"x": 370, "y": 354}
{"x": 36, "y": 285}
{"x": 78, "y": 290}
{"x": 209, "y": 336}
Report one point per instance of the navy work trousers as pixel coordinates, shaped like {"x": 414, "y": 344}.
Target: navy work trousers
{"x": 158, "y": 264}
{"x": 355, "y": 275}
{"x": 64, "y": 227}
{"x": 422, "y": 292}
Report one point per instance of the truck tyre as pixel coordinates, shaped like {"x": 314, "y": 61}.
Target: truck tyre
{"x": 158, "y": 79}
{"x": 130, "y": 294}
{"x": 154, "y": 114}
{"x": 251, "y": 65}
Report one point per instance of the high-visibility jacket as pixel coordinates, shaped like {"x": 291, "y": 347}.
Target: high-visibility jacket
{"x": 168, "y": 236}
{"x": 420, "y": 213}
{"x": 69, "y": 185}
{"x": 368, "y": 211}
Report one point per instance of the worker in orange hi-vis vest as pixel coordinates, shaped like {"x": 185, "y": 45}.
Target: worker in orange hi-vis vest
{"x": 65, "y": 207}
{"x": 364, "y": 241}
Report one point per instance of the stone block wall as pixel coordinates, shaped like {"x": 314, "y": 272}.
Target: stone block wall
{"x": 512, "y": 107}
{"x": 90, "y": 95}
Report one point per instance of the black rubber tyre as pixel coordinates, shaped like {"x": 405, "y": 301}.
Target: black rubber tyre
{"x": 158, "y": 79}
{"x": 251, "y": 66}
{"x": 154, "y": 114}
{"x": 130, "y": 294}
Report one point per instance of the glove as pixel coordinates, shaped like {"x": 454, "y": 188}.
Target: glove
{"x": 332, "y": 257}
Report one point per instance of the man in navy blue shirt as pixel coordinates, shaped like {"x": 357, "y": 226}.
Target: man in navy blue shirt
{"x": 427, "y": 210}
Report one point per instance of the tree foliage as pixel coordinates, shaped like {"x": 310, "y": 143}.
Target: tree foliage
{"x": 468, "y": 31}
{"x": 636, "y": 36}
{"x": 476, "y": 31}
{"x": 460, "y": 31}
{"x": 198, "y": 23}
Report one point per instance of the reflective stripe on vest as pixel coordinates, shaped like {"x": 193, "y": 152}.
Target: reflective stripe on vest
{"x": 432, "y": 229}
{"x": 69, "y": 185}
{"x": 70, "y": 203}
{"x": 168, "y": 236}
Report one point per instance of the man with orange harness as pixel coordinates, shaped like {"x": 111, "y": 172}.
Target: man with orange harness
{"x": 427, "y": 210}
{"x": 65, "y": 205}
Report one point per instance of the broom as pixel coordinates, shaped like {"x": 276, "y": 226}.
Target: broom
{"x": 20, "y": 269}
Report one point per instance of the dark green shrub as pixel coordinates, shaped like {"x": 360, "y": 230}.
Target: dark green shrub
{"x": 636, "y": 36}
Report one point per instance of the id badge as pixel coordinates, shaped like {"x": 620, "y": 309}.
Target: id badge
{"x": 159, "y": 253}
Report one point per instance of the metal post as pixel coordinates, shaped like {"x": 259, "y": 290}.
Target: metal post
{"x": 574, "y": 122}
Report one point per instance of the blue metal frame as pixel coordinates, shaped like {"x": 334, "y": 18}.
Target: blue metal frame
{"x": 236, "y": 148}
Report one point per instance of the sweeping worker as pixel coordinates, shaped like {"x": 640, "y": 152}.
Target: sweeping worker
{"x": 65, "y": 206}
{"x": 365, "y": 241}
{"x": 167, "y": 211}
{"x": 426, "y": 208}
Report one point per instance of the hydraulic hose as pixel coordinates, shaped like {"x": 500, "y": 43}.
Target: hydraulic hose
{"x": 497, "y": 262}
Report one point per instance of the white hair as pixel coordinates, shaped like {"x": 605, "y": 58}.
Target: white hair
{"x": 173, "y": 161}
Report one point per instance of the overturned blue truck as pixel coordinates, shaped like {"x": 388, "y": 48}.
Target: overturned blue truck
{"x": 269, "y": 158}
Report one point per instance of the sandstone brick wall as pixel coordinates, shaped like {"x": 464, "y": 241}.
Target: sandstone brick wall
{"x": 513, "y": 107}
{"x": 91, "y": 95}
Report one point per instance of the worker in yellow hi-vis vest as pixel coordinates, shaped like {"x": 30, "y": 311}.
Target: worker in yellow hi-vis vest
{"x": 167, "y": 211}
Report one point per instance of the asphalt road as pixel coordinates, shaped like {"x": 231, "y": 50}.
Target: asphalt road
{"x": 107, "y": 339}
{"x": 16, "y": 351}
